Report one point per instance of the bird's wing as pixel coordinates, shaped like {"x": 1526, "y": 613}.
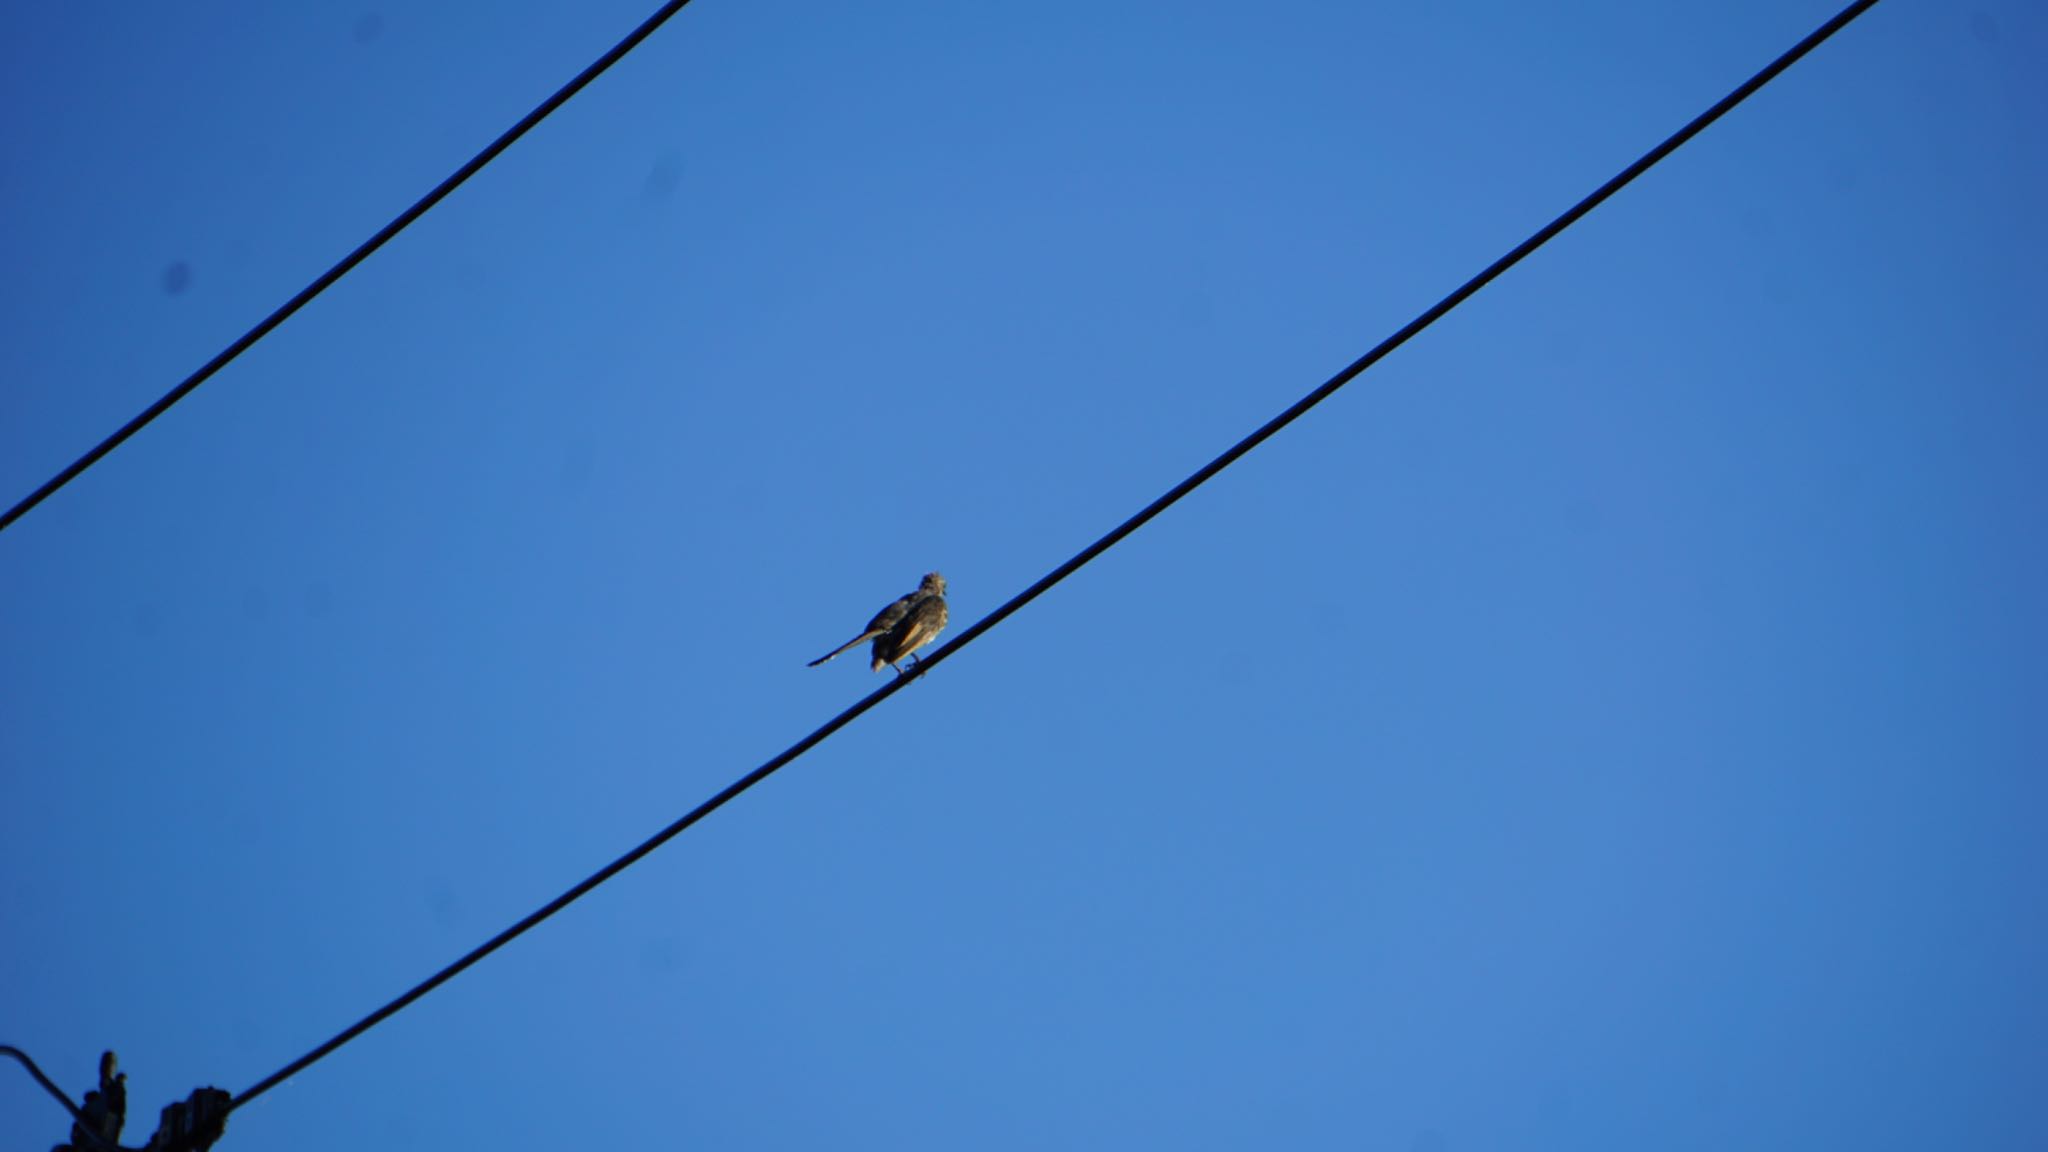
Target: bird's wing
{"x": 884, "y": 620}
{"x": 917, "y": 628}
{"x": 889, "y": 617}
{"x": 925, "y": 622}
{"x": 860, "y": 639}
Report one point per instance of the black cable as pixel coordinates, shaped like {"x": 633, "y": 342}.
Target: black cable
{"x": 1129, "y": 526}
{"x": 348, "y": 263}
{"x": 48, "y": 1084}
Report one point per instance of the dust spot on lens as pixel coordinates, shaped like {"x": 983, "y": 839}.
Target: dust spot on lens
{"x": 177, "y": 278}
{"x": 444, "y": 907}
{"x": 1841, "y": 175}
{"x": 660, "y": 954}
{"x": 663, "y": 178}
{"x": 578, "y": 458}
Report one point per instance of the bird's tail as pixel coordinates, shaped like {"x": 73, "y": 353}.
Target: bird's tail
{"x": 857, "y": 640}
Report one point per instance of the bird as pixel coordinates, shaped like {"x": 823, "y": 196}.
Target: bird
{"x": 903, "y": 627}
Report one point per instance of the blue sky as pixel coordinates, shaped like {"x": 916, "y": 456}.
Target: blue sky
{"x": 1614, "y": 722}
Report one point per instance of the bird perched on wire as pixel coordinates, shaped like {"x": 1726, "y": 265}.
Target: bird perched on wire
{"x": 903, "y": 627}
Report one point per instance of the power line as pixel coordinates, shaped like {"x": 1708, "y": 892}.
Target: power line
{"x": 194, "y": 1123}
{"x": 1464, "y": 291}
{"x": 326, "y": 279}
{"x": 85, "y": 1125}
{"x": 48, "y": 1084}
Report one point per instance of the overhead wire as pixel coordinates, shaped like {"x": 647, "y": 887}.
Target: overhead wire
{"x": 362, "y": 252}
{"x": 1536, "y": 240}
{"x": 48, "y": 1084}
{"x": 84, "y": 1126}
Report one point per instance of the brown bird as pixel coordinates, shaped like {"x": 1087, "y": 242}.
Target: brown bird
{"x": 903, "y": 627}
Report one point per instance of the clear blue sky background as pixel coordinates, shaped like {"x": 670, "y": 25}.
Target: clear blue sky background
{"x": 1616, "y": 722}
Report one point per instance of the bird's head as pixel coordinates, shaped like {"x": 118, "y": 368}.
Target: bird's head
{"x": 933, "y": 583}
